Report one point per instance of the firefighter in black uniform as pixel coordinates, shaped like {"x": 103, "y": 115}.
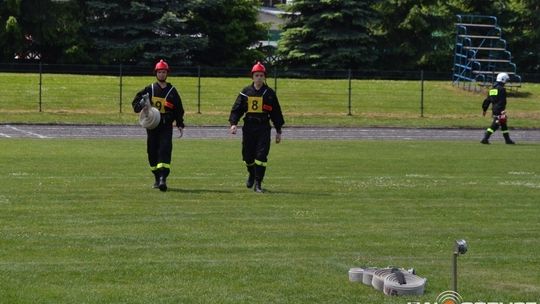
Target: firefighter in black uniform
{"x": 497, "y": 97}
{"x": 260, "y": 105}
{"x": 165, "y": 98}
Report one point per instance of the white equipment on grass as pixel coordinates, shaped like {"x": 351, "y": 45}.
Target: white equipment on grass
{"x": 391, "y": 281}
{"x": 408, "y": 284}
{"x": 149, "y": 117}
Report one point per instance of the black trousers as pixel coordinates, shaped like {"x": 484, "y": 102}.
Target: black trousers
{"x": 255, "y": 143}
{"x": 495, "y": 125}
{"x": 159, "y": 147}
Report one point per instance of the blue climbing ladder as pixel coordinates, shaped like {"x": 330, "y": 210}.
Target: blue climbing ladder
{"x": 481, "y": 53}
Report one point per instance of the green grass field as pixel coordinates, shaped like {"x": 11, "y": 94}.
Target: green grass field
{"x": 80, "y": 224}
{"x": 96, "y": 100}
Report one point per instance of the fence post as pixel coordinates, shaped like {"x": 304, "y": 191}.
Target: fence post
{"x": 120, "y": 103}
{"x": 421, "y": 93}
{"x": 199, "y": 89}
{"x": 350, "y": 89}
{"x": 275, "y": 79}
{"x": 40, "y": 84}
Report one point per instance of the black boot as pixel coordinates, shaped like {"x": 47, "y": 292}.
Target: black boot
{"x": 163, "y": 180}
{"x": 259, "y": 176}
{"x": 251, "y": 177}
{"x": 258, "y": 186}
{"x": 162, "y": 183}
{"x": 156, "y": 180}
{"x": 485, "y": 140}
{"x": 507, "y": 139}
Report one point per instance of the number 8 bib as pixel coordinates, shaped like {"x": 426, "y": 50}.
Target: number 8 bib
{"x": 255, "y": 104}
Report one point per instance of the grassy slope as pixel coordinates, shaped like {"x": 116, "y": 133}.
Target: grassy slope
{"x": 80, "y": 224}
{"x": 96, "y": 99}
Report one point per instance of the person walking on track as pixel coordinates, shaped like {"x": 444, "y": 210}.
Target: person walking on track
{"x": 260, "y": 105}
{"x": 497, "y": 98}
{"x": 166, "y": 99}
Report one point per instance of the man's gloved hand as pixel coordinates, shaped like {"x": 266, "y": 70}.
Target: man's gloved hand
{"x": 278, "y": 138}
{"x": 139, "y": 105}
{"x": 181, "y": 130}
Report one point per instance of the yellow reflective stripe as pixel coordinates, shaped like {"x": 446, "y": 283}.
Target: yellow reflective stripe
{"x": 249, "y": 165}
{"x": 154, "y": 168}
{"x": 506, "y": 132}
{"x": 493, "y": 92}
{"x": 260, "y": 163}
{"x": 490, "y": 130}
{"x": 163, "y": 165}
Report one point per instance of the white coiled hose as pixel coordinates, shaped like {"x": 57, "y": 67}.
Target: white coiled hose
{"x": 368, "y": 275}
{"x": 149, "y": 117}
{"x": 390, "y": 280}
{"x": 413, "y": 285}
{"x": 378, "y": 278}
{"x": 356, "y": 274}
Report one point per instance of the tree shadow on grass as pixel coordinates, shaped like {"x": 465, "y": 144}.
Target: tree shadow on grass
{"x": 182, "y": 190}
{"x": 266, "y": 191}
{"x": 311, "y": 193}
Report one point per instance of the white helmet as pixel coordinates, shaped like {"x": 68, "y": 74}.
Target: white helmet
{"x": 502, "y": 77}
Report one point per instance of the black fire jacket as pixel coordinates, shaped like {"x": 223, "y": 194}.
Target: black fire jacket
{"x": 259, "y": 106}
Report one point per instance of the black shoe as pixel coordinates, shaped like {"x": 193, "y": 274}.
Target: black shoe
{"x": 484, "y": 141}
{"x": 156, "y": 181}
{"x": 162, "y": 184}
{"x": 258, "y": 187}
{"x": 510, "y": 142}
{"x": 250, "y": 181}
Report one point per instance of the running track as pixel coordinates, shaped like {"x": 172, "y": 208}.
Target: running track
{"x": 318, "y": 133}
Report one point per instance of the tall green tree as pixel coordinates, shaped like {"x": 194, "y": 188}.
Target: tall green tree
{"x": 416, "y": 34}
{"x": 522, "y": 26}
{"x": 124, "y": 31}
{"x": 54, "y": 28}
{"x": 40, "y": 30}
{"x": 329, "y": 34}
{"x": 231, "y": 29}
{"x": 11, "y": 32}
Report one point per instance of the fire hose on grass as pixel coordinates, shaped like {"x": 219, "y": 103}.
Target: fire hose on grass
{"x": 390, "y": 280}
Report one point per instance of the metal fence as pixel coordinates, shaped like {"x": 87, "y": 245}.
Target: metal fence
{"x": 112, "y": 87}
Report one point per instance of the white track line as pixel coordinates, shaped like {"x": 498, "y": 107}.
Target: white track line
{"x": 27, "y": 132}
{"x": 4, "y": 135}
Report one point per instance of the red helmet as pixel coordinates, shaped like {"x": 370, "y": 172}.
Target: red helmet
{"x": 258, "y": 67}
{"x": 161, "y": 65}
